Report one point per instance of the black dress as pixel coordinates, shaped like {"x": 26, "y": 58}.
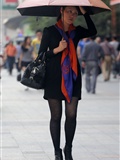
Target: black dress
{"x": 50, "y": 40}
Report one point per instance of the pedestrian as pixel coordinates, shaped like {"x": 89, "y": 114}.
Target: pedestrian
{"x": 26, "y": 55}
{"x": 98, "y": 40}
{"x": 115, "y": 44}
{"x": 5, "y": 65}
{"x": 80, "y": 49}
{"x": 109, "y": 56}
{"x": 1, "y": 57}
{"x": 1, "y": 63}
{"x": 36, "y": 42}
{"x": 10, "y": 52}
{"x": 63, "y": 75}
{"x": 17, "y": 57}
{"x": 118, "y": 61}
{"x": 91, "y": 57}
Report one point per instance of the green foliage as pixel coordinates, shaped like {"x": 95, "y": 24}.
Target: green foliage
{"x": 40, "y": 22}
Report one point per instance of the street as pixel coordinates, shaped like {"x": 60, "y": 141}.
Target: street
{"x": 25, "y": 122}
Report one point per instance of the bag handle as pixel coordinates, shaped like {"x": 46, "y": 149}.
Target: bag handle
{"x": 41, "y": 57}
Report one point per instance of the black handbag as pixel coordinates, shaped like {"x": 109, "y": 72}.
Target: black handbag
{"x": 34, "y": 75}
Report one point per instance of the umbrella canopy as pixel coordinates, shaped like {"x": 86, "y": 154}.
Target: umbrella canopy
{"x": 52, "y": 7}
{"x": 15, "y": 22}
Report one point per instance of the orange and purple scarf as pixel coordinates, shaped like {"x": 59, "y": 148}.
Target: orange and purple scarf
{"x": 68, "y": 61}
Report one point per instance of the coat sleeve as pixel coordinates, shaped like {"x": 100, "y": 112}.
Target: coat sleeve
{"x": 44, "y": 46}
{"x": 91, "y": 31}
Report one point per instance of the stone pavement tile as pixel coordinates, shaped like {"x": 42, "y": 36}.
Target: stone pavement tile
{"x": 13, "y": 153}
{"x": 108, "y": 157}
{"x": 8, "y": 141}
{"x": 30, "y": 148}
{"x": 13, "y": 158}
{"x": 111, "y": 131}
{"x": 113, "y": 158}
{"x": 105, "y": 139}
{"x": 99, "y": 150}
{"x": 36, "y": 156}
{"x": 84, "y": 139}
{"x": 85, "y": 157}
{"x": 25, "y": 139}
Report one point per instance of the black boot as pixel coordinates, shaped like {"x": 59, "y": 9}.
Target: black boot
{"x": 68, "y": 153}
{"x": 58, "y": 155}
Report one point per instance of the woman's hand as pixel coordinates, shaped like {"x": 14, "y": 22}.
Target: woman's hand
{"x": 83, "y": 11}
{"x": 61, "y": 47}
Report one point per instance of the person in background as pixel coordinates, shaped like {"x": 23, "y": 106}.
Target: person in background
{"x": 17, "y": 57}
{"x": 26, "y": 55}
{"x": 1, "y": 63}
{"x": 115, "y": 44}
{"x": 10, "y": 52}
{"x": 1, "y": 57}
{"x": 80, "y": 49}
{"x": 36, "y": 42}
{"x": 118, "y": 61}
{"x": 5, "y": 56}
{"x": 109, "y": 55}
{"x": 92, "y": 54}
{"x": 98, "y": 40}
{"x": 63, "y": 75}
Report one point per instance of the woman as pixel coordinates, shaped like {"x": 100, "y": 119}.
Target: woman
{"x": 63, "y": 75}
{"x": 26, "y": 55}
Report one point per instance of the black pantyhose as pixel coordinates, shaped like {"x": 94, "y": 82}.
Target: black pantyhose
{"x": 55, "y": 122}
{"x": 70, "y": 123}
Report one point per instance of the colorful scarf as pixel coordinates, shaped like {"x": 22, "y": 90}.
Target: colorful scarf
{"x": 68, "y": 61}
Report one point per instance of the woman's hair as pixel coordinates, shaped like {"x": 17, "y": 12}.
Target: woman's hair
{"x": 63, "y": 7}
{"x": 59, "y": 17}
{"x": 24, "y": 44}
{"x": 25, "y": 40}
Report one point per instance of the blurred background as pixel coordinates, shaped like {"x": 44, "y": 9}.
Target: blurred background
{"x": 14, "y": 26}
{"x": 23, "y": 113}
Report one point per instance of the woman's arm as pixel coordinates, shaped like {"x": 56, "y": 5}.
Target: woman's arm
{"x": 45, "y": 44}
{"x": 91, "y": 31}
{"x": 20, "y": 60}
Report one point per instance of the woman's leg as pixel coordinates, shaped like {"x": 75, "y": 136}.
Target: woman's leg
{"x": 70, "y": 123}
{"x": 55, "y": 121}
{"x": 70, "y": 126}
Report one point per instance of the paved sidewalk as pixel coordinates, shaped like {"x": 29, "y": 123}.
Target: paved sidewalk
{"x": 25, "y": 123}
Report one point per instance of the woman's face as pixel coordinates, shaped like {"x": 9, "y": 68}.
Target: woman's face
{"x": 28, "y": 40}
{"x": 69, "y": 14}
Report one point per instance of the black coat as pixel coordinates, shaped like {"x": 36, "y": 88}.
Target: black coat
{"x": 50, "y": 40}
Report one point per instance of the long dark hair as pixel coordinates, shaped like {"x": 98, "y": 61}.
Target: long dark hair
{"x": 25, "y": 40}
{"x": 63, "y": 7}
{"x": 24, "y": 44}
{"x": 59, "y": 17}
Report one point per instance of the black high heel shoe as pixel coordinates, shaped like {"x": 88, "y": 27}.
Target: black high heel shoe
{"x": 68, "y": 153}
{"x": 58, "y": 155}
